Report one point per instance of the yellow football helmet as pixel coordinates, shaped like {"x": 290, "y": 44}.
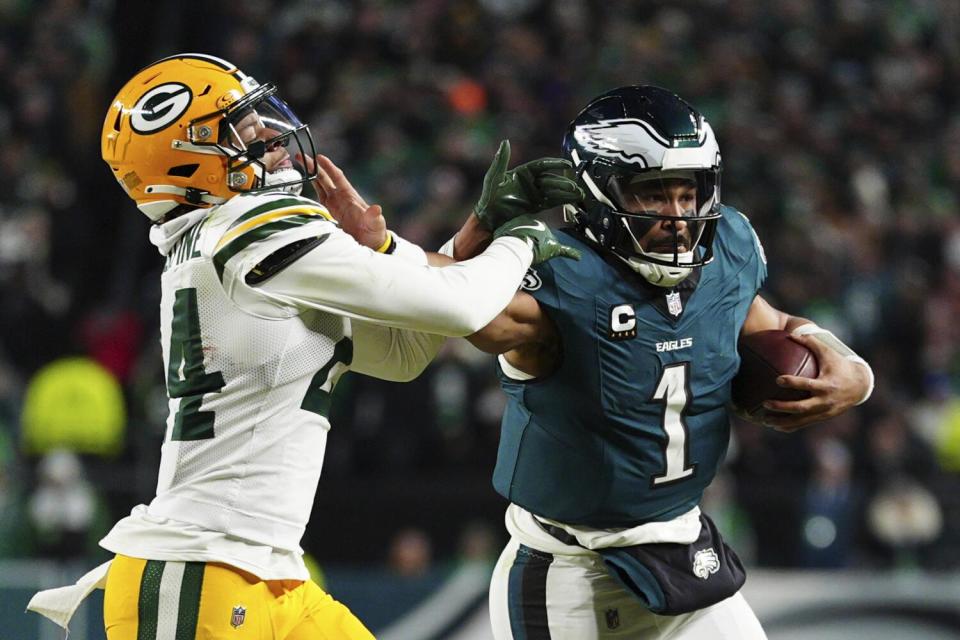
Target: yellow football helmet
{"x": 194, "y": 130}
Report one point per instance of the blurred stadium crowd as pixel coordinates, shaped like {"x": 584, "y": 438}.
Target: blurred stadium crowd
{"x": 839, "y": 123}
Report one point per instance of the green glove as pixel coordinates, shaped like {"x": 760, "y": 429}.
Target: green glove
{"x": 538, "y": 235}
{"x": 530, "y": 188}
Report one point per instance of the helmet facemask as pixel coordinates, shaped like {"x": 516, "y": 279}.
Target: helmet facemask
{"x": 261, "y": 138}
{"x": 661, "y": 223}
{"x": 667, "y": 219}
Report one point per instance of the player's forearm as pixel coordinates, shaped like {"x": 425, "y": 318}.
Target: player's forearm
{"x": 762, "y": 316}
{"x": 521, "y": 324}
{"x": 471, "y": 240}
{"x": 485, "y": 285}
{"x": 500, "y": 336}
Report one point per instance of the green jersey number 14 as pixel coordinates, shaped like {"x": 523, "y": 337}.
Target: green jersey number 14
{"x": 189, "y": 380}
{"x": 186, "y": 377}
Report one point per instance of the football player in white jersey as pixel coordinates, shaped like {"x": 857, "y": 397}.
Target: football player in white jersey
{"x": 266, "y": 301}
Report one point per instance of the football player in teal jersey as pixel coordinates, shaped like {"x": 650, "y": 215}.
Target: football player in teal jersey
{"x": 617, "y": 370}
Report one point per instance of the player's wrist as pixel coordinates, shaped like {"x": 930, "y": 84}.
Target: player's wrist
{"x": 470, "y": 240}
{"x": 389, "y": 245}
{"x": 448, "y": 248}
{"x": 870, "y": 377}
{"x": 830, "y": 340}
{"x": 407, "y": 251}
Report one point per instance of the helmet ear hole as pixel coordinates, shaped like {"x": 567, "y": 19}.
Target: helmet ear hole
{"x": 116, "y": 122}
{"x": 183, "y": 170}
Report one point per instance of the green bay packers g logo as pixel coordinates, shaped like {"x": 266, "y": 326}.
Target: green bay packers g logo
{"x": 160, "y": 107}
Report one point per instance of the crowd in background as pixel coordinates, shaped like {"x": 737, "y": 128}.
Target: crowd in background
{"x": 839, "y": 124}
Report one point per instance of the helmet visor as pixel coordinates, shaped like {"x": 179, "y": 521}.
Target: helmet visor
{"x": 263, "y": 131}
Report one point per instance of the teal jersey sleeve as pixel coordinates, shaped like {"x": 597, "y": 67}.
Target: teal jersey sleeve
{"x": 742, "y": 247}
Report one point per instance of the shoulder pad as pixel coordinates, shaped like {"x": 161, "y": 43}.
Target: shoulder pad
{"x": 281, "y": 259}
{"x": 247, "y": 220}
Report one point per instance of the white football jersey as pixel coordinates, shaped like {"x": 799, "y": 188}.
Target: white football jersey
{"x": 249, "y": 393}
{"x": 266, "y": 302}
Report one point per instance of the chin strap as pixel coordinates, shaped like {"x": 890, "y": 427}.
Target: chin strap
{"x": 288, "y": 180}
{"x": 157, "y": 209}
{"x": 659, "y": 275}
{"x": 193, "y": 196}
{"x": 835, "y": 343}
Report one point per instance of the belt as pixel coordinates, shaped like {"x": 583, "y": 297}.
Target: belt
{"x": 558, "y": 533}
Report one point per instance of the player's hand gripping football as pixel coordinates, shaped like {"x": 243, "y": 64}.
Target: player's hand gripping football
{"x": 362, "y": 221}
{"x": 530, "y": 188}
{"x": 840, "y": 385}
{"x": 538, "y": 236}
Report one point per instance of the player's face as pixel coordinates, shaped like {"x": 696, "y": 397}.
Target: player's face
{"x": 251, "y": 128}
{"x": 675, "y": 198}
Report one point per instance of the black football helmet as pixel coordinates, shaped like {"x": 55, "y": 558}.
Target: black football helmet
{"x": 620, "y": 142}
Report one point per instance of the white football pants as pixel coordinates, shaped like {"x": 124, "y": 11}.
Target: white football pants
{"x": 572, "y": 597}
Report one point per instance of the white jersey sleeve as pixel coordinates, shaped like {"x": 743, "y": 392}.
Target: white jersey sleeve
{"x": 408, "y": 251}
{"x": 340, "y": 276}
{"x": 398, "y": 355}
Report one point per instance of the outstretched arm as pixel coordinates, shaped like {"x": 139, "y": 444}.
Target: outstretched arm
{"x": 524, "y": 334}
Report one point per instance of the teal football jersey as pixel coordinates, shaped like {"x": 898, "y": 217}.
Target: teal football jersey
{"x": 632, "y": 426}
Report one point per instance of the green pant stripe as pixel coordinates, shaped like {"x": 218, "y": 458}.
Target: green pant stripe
{"x": 149, "y": 600}
{"x": 189, "y": 611}
{"x": 238, "y": 244}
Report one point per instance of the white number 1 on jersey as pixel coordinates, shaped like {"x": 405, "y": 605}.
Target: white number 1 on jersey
{"x": 673, "y": 392}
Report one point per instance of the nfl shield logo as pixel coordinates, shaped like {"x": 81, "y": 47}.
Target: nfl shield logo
{"x": 239, "y": 614}
{"x": 674, "y": 305}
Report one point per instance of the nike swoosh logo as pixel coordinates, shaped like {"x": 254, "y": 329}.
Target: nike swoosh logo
{"x": 539, "y": 226}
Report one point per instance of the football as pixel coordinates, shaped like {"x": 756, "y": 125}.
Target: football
{"x": 764, "y": 355}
